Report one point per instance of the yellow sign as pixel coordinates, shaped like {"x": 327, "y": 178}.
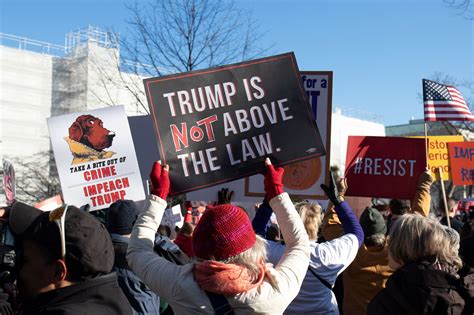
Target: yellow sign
{"x": 438, "y": 153}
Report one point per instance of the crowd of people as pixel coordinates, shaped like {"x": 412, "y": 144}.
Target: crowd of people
{"x": 314, "y": 261}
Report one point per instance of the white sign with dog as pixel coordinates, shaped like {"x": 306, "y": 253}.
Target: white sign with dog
{"x": 95, "y": 157}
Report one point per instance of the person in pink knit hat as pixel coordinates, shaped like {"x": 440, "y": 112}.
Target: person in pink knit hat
{"x": 229, "y": 274}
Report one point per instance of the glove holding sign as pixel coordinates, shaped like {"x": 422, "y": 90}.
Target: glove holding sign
{"x": 332, "y": 190}
{"x": 160, "y": 180}
{"x": 273, "y": 181}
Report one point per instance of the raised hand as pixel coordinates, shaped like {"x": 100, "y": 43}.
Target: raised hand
{"x": 273, "y": 180}
{"x": 224, "y": 196}
{"x": 332, "y": 191}
{"x": 160, "y": 180}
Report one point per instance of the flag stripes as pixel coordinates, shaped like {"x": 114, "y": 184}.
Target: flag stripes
{"x": 442, "y": 102}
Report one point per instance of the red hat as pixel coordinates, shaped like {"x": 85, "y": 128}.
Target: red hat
{"x": 223, "y": 231}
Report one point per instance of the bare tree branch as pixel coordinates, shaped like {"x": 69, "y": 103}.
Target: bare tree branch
{"x": 36, "y": 177}
{"x": 169, "y": 36}
{"x": 463, "y": 7}
{"x": 184, "y": 35}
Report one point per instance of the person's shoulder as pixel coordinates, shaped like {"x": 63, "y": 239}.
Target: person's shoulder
{"x": 457, "y": 224}
{"x": 336, "y": 253}
{"x": 342, "y": 243}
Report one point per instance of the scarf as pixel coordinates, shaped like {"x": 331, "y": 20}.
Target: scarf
{"x": 226, "y": 279}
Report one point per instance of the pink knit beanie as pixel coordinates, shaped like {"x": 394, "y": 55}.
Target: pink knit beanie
{"x": 223, "y": 231}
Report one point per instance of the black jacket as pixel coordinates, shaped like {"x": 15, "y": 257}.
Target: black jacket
{"x": 420, "y": 289}
{"x": 101, "y": 295}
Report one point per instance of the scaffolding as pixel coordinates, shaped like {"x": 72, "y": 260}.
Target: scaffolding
{"x": 90, "y": 34}
{"x": 77, "y": 38}
{"x": 24, "y": 43}
{"x": 72, "y": 40}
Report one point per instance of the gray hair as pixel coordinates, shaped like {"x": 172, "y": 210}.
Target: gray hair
{"x": 252, "y": 258}
{"x": 415, "y": 238}
{"x": 378, "y": 239}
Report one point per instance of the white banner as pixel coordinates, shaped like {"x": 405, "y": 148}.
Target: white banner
{"x": 95, "y": 157}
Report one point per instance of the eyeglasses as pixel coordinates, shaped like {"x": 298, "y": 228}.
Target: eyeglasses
{"x": 58, "y": 216}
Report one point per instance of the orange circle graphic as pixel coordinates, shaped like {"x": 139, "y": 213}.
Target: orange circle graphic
{"x": 302, "y": 175}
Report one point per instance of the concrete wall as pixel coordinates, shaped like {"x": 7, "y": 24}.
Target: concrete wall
{"x": 25, "y": 101}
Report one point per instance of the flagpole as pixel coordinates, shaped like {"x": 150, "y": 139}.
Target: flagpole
{"x": 147, "y": 186}
{"x": 440, "y": 172}
{"x": 426, "y": 144}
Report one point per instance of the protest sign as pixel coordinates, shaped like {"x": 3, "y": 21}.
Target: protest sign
{"x": 303, "y": 179}
{"x": 461, "y": 156}
{"x": 95, "y": 157}
{"x": 10, "y": 182}
{"x": 219, "y": 124}
{"x": 145, "y": 146}
{"x": 385, "y": 167}
{"x": 173, "y": 218}
{"x": 438, "y": 153}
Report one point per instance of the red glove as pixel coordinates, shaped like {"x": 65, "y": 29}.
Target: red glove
{"x": 160, "y": 180}
{"x": 273, "y": 180}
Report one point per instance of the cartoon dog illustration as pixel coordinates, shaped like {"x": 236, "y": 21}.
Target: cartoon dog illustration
{"x": 88, "y": 138}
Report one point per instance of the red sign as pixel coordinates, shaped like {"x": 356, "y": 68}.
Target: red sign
{"x": 461, "y": 156}
{"x": 384, "y": 167}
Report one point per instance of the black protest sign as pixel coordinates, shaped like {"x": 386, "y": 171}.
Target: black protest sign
{"x": 219, "y": 124}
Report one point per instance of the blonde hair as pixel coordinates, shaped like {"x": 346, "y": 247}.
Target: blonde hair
{"x": 252, "y": 258}
{"x": 310, "y": 214}
{"x": 415, "y": 238}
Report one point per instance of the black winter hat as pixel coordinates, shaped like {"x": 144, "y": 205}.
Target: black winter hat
{"x": 120, "y": 217}
{"x": 89, "y": 249}
{"x": 372, "y": 222}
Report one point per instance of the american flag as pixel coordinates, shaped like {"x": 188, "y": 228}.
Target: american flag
{"x": 443, "y": 102}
